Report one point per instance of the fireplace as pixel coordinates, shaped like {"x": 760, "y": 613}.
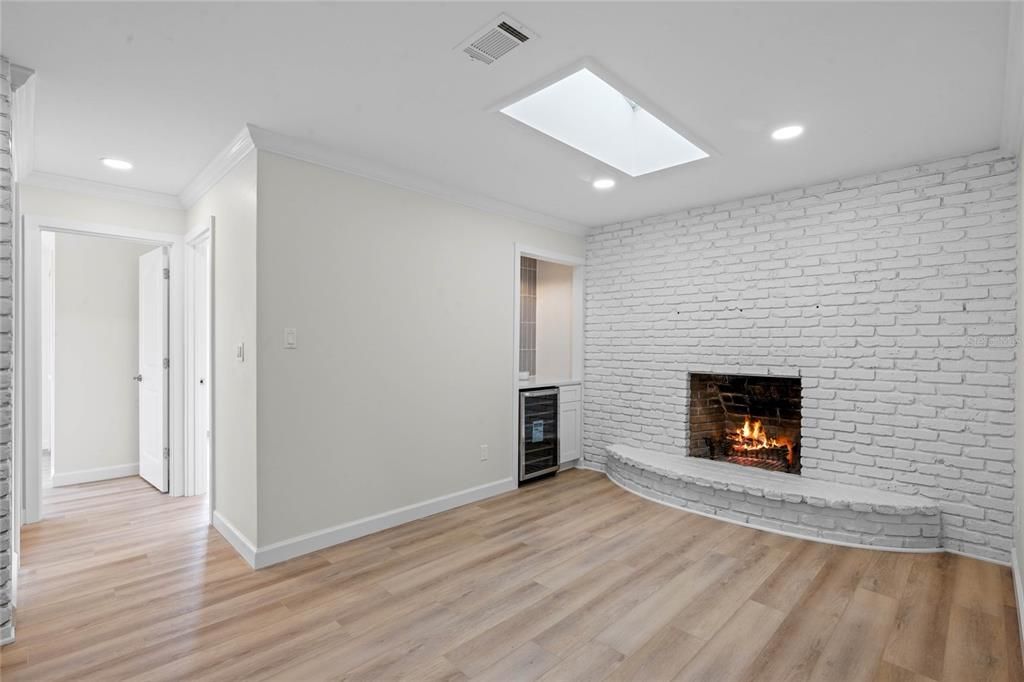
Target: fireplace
{"x": 749, "y": 420}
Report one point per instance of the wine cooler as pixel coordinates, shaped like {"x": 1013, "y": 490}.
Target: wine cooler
{"x": 538, "y": 433}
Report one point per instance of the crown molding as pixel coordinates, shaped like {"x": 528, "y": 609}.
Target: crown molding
{"x": 101, "y": 190}
{"x": 23, "y": 138}
{"x": 1012, "y": 133}
{"x": 221, "y": 164}
{"x": 253, "y": 137}
{"x": 335, "y": 159}
{"x": 19, "y": 76}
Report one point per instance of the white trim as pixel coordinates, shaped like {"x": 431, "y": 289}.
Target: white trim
{"x": 978, "y": 557}
{"x": 23, "y": 137}
{"x": 97, "y": 474}
{"x": 27, "y": 346}
{"x": 219, "y": 166}
{"x": 1012, "y": 132}
{"x": 1018, "y": 589}
{"x": 199, "y": 232}
{"x": 101, "y": 190}
{"x": 28, "y": 363}
{"x": 197, "y": 235}
{"x": 517, "y": 291}
{"x": 321, "y": 155}
{"x": 211, "y": 499}
{"x": 15, "y": 571}
{"x": 235, "y": 538}
{"x": 20, "y": 76}
{"x": 252, "y": 137}
{"x": 101, "y": 230}
{"x": 317, "y": 540}
{"x": 47, "y": 301}
{"x": 549, "y": 256}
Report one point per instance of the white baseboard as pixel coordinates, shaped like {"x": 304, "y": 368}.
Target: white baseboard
{"x": 99, "y": 474}
{"x": 235, "y": 538}
{"x": 978, "y": 557}
{"x": 311, "y": 542}
{"x": 1018, "y": 588}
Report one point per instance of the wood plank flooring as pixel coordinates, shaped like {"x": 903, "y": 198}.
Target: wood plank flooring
{"x": 570, "y": 578}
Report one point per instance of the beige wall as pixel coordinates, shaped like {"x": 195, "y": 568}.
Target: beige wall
{"x": 233, "y": 203}
{"x": 403, "y": 306}
{"x": 53, "y": 203}
{"x": 96, "y": 320}
{"x": 554, "y": 320}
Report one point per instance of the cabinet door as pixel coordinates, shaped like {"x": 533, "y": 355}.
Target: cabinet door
{"x": 569, "y": 431}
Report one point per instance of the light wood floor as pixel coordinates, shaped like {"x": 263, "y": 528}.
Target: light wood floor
{"x": 568, "y": 579}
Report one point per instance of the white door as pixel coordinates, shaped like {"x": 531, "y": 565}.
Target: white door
{"x": 152, "y": 376}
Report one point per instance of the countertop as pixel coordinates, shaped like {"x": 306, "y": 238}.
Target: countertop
{"x": 543, "y": 382}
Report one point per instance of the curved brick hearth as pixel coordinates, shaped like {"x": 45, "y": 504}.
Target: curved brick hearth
{"x": 779, "y": 502}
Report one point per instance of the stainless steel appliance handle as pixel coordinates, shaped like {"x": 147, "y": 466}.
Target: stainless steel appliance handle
{"x": 537, "y": 394}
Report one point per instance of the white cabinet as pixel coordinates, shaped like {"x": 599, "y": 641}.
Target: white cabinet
{"x": 570, "y": 423}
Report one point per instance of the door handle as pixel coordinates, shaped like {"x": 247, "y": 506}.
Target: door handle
{"x": 138, "y": 378}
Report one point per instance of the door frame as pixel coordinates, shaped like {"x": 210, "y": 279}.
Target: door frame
{"x": 196, "y": 236}
{"x": 577, "y": 263}
{"x": 48, "y": 288}
{"x": 27, "y": 348}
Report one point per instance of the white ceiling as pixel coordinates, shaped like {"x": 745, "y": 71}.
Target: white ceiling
{"x": 167, "y": 85}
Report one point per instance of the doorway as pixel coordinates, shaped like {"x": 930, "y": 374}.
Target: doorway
{"x": 167, "y": 350}
{"x": 104, "y": 319}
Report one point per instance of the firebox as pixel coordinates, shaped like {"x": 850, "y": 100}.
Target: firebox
{"x": 748, "y": 420}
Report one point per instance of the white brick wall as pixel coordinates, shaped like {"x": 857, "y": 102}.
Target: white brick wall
{"x": 6, "y": 223}
{"x": 892, "y": 295}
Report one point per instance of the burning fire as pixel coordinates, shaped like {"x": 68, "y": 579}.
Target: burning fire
{"x": 753, "y": 437}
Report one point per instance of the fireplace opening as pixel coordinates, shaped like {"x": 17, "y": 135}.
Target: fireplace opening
{"x": 748, "y": 420}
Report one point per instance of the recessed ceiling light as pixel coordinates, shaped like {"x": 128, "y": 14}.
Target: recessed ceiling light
{"x": 116, "y": 164}
{"x": 604, "y": 183}
{"x": 586, "y": 113}
{"x": 788, "y": 133}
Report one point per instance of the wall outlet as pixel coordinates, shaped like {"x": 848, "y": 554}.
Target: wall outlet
{"x": 291, "y": 338}
{"x": 240, "y": 352}
{"x": 483, "y": 453}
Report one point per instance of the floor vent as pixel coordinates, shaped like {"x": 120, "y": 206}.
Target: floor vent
{"x": 496, "y": 39}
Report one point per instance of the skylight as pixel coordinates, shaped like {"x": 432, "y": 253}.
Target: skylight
{"x": 588, "y": 114}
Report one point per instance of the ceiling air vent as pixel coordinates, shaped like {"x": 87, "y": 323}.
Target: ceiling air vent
{"x": 496, "y": 39}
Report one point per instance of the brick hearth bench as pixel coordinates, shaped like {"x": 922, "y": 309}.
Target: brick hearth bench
{"x": 779, "y": 502}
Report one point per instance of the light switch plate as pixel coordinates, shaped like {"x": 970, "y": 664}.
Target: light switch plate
{"x": 291, "y": 338}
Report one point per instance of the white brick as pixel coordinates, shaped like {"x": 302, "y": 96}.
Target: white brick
{"x": 901, "y": 325}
